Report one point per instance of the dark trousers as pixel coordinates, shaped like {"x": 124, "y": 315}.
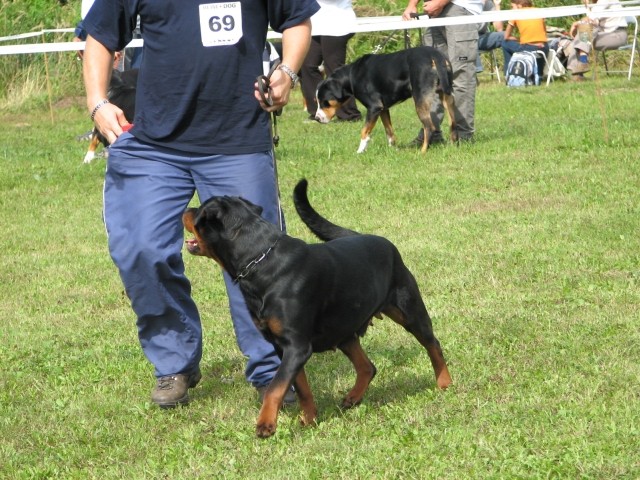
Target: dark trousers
{"x": 333, "y": 52}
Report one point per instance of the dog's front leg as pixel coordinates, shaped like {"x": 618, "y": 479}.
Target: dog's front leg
{"x": 365, "y": 133}
{"x": 385, "y": 116}
{"x": 93, "y": 145}
{"x": 293, "y": 359}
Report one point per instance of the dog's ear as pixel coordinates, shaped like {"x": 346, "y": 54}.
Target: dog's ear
{"x": 209, "y": 213}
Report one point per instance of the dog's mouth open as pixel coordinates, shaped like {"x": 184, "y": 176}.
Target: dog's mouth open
{"x": 193, "y": 247}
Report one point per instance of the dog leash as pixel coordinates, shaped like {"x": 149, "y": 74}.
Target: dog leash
{"x": 264, "y": 84}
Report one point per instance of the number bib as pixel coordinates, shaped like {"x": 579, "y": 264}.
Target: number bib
{"x": 220, "y": 23}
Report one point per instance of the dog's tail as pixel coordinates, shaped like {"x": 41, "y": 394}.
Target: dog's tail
{"x": 319, "y": 226}
{"x": 445, "y": 72}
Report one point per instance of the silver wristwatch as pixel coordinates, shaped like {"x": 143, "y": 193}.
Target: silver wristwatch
{"x": 292, "y": 75}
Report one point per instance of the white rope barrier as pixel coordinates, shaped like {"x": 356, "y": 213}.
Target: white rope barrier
{"x": 363, "y": 25}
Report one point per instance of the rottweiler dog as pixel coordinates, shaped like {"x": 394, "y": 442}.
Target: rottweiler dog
{"x": 308, "y": 298}
{"x": 380, "y": 81}
{"x": 122, "y": 93}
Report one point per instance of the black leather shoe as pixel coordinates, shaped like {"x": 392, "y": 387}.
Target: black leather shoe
{"x": 173, "y": 390}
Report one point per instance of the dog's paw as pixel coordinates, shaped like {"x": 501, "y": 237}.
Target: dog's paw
{"x": 308, "y": 419}
{"x": 350, "y": 402}
{"x": 265, "y": 430}
{"x": 88, "y": 158}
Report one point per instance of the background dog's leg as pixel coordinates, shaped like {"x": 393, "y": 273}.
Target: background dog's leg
{"x": 417, "y": 322}
{"x": 91, "y": 151}
{"x": 423, "y": 108}
{"x": 365, "y": 371}
{"x": 448, "y": 102}
{"x": 385, "y": 116}
{"x": 305, "y": 397}
{"x": 366, "y": 131}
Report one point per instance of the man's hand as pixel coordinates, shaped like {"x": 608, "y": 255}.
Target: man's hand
{"x": 279, "y": 90}
{"x": 434, "y": 8}
{"x": 110, "y": 120}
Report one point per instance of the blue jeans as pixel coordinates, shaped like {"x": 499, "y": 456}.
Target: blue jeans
{"x": 487, "y": 42}
{"x": 509, "y": 47}
{"x": 147, "y": 189}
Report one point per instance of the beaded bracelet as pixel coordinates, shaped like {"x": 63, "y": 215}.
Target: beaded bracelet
{"x": 99, "y": 105}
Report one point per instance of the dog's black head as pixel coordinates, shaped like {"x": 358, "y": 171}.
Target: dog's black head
{"x": 332, "y": 93}
{"x": 224, "y": 226}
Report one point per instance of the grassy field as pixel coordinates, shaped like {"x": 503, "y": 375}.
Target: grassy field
{"x": 526, "y": 247}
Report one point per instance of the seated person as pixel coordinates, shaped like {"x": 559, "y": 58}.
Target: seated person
{"x": 489, "y": 40}
{"x": 605, "y": 33}
{"x": 532, "y": 33}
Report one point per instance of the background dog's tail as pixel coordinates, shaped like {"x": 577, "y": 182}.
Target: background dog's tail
{"x": 445, "y": 73}
{"x": 319, "y": 226}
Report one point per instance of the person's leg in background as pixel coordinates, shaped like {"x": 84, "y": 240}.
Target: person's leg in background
{"x": 334, "y": 53}
{"x": 460, "y": 44}
{"x": 311, "y": 76}
{"x": 253, "y": 177}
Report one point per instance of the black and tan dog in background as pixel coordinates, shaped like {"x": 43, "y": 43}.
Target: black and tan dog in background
{"x": 381, "y": 81}
{"x": 309, "y": 298}
{"x": 122, "y": 93}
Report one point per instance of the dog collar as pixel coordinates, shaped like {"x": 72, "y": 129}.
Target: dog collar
{"x": 251, "y": 265}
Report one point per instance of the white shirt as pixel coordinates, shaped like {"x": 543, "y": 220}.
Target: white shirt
{"x": 473, "y": 6}
{"x": 607, "y": 24}
{"x": 334, "y": 19}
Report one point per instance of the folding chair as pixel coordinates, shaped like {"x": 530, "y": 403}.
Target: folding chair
{"x": 632, "y": 21}
{"x": 542, "y": 55}
{"x": 493, "y": 62}
{"x": 554, "y": 66}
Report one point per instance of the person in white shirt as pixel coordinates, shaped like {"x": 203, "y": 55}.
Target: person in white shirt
{"x": 331, "y": 28}
{"x": 594, "y": 31}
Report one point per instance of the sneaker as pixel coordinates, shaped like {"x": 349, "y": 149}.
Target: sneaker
{"x": 289, "y": 397}
{"x": 172, "y": 390}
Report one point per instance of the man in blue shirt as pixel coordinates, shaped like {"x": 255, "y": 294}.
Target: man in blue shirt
{"x": 200, "y": 126}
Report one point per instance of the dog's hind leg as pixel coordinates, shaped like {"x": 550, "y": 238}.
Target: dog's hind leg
{"x": 423, "y": 108}
{"x": 449, "y": 106}
{"x": 385, "y": 116}
{"x": 418, "y": 323}
{"x": 365, "y": 371}
{"x": 305, "y": 397}
{"x": 365, "y": 134}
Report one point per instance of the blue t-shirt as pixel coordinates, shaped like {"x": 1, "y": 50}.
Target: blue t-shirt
{"x": 199, "y": 66}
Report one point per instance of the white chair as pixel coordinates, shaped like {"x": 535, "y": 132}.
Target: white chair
{"x": 493, "y": 63}
{"x": 554, "y": 66}
{"x": 632, "y": 45}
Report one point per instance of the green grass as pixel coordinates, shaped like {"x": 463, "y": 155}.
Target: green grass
{"x": 526, "y": 248}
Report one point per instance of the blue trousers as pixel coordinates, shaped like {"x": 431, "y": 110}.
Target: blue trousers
{"x": 147, "y": 189}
